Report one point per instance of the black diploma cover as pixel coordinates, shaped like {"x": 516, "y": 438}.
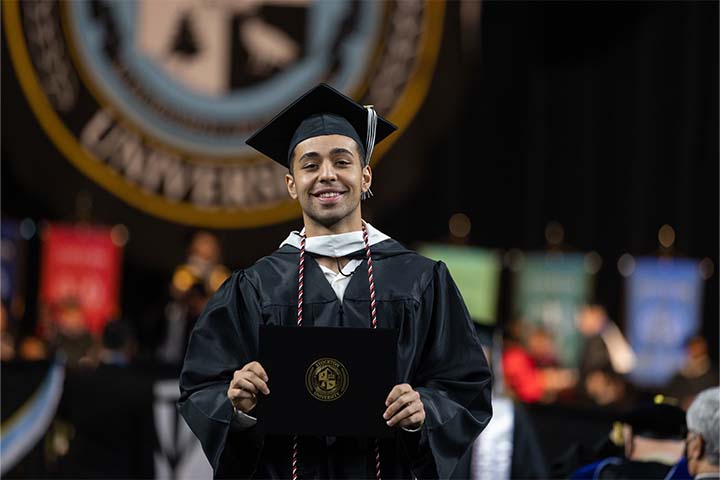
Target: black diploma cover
{"x": 326, "y": 380}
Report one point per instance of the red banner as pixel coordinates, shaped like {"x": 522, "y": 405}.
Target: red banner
{"x": 81, "y": 264}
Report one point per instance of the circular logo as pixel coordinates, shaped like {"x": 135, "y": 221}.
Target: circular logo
{"x": 154, "y": 100}
{"x": 327, "y": 379}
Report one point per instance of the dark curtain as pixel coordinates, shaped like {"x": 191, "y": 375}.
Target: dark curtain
{"x": 602, "y": 116}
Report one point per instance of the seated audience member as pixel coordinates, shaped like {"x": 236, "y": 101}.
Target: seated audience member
{"x": 696, "y": 375}
{"x": 703, "y": 437}
{"x": 653, "y": 443}
{"x": 508, "y": 447}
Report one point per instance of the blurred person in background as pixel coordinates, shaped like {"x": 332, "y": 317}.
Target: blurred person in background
{"x": 606, "y": 357}
{"x": 166, "y": 329}
{"x": 32, "y": 348}
{"x": 525, "y": 379}
{"x": 508, "y": 447}
{"x": 703, "y": 437}
{"x": 541, "y": 347}
{"x": 203, "y": 262}
{"x": 7, "y": 337}
{"x": 73, "y": 338}
{"x": 653, "y": 443}
{"x": 119, "y": 344}
{"x": 696, "y": 375}
{"x": 24, "y": 347}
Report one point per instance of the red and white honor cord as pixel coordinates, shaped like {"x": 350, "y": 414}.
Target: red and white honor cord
{"x": 373, "y": 323}
{"x": 301, "y": 284}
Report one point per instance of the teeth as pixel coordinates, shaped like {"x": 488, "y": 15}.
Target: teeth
{"x": 329, "y": 195}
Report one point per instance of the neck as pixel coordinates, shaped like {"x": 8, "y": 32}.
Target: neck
{"x": 351, "y": 223}
{"x": 706, "y": 467}
{"x": 655, "y": 450}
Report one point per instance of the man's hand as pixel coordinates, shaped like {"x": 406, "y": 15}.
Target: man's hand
{"x": 404, "y": 407}
{"x": 246, "y": 384}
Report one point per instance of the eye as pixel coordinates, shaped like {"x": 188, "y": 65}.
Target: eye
{"x": 309, "y": 166}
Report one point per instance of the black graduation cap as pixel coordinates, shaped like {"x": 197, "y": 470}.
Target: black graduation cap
{"x": 320, "y": 111}
{"x": 657, "y": 420}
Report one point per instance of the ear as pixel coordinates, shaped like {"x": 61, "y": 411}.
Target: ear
{"x": 696, "y": 448}
{"x": 290, "y": 183}
{"x": 628, "y": 440}
{"x": 366, "y": 178}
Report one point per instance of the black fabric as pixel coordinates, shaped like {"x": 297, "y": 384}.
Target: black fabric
{"x": 111, "y": 410}
{"x": 660, "y": 421}
{"x": 527, "y": 459}
{"x": 438, "y": 354}
{"x": 278, "y": 138}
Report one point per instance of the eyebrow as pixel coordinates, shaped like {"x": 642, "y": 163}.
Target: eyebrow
{"x": 339, "y": 150}
{"x": 309, "y": 155}
{"x": 334, "y": 151}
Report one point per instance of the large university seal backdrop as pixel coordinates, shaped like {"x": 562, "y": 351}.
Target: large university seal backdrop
{"x": 153, "y": 100}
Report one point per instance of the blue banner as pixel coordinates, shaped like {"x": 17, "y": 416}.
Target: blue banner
{"x": 663, "y": 312}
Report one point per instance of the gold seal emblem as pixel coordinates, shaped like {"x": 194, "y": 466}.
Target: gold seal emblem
{"x": 327, "y": 379}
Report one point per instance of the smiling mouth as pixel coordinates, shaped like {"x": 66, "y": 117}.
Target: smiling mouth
{"x": 328, "y": 195}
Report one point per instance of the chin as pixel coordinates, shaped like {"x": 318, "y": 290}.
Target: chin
{"x": 327, "y": 218}
{"x": 328, "y": 221}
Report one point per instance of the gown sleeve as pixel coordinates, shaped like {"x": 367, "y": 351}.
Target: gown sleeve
{"x": 453, "y": 378}
{"x": 223, "y": 340}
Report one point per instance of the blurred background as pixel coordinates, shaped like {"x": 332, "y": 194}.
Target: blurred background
{"x": 560, "y": 157}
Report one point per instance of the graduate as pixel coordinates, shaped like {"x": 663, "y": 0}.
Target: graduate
{"x": 338, "y": 271}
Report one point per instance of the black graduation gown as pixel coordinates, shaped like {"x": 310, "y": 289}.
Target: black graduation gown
{"x": 438, "y": 354}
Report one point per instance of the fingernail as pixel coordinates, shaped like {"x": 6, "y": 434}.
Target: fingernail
{"x": 385, "y": 415}
{"x": 389, "y": 423}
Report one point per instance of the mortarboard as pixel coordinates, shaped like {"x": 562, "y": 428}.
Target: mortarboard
{"x": 320, "y": 111}
{"x": 658, "y": 420}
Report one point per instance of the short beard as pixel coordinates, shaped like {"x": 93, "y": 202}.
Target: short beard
{"x": 331, "y": 220}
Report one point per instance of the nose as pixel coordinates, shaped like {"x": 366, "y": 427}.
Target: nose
{"x": 327, "y": 172}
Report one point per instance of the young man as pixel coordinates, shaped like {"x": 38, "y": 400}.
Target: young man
{"x": 337, "y": 272}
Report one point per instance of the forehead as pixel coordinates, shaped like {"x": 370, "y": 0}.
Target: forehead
{"x": 323, "y": 144}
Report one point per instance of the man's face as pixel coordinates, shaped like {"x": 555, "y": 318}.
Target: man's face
{"x": 328, "y": 179}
